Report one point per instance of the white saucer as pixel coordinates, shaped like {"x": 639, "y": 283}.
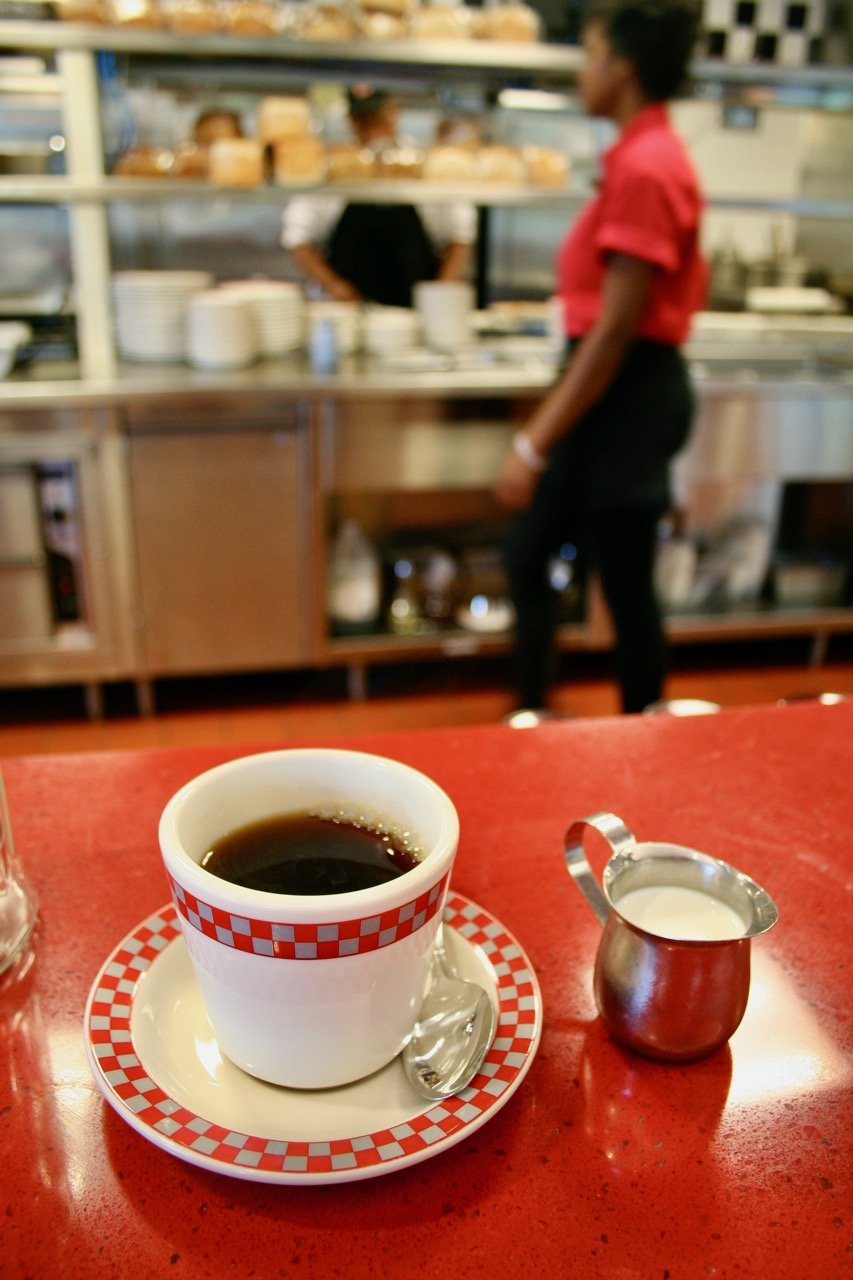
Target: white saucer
{"x": 155, "y": 1059}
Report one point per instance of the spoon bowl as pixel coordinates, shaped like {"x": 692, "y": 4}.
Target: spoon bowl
{"x": 452, "y": 1033}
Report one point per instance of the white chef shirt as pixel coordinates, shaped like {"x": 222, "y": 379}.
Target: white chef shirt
{"x": 310, "y": 219}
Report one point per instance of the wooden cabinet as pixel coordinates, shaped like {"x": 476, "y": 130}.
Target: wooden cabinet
{"x": 221, "y": 522}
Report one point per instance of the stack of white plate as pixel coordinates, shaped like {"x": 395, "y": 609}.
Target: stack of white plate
{"x": 151, "y": 312}
{"x": 347, "y": 321}
{"x": 220, "y": 331}
{"x": 278, "y": 311}
{"x": 390, "y": 329}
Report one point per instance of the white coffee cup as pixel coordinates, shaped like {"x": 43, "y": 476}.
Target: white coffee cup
{"x": 310, "y": 991}
{"x": 445, "y": 308}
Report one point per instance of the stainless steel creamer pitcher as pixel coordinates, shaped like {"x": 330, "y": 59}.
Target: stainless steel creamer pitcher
{"x": 672, "y": 970}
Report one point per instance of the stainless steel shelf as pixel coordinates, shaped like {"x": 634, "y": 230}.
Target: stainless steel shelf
{"x": 475, "y": 55}
{"x": 385, "y": 647}
{"x": 759, "y": 622}
{"x": 529, "y": 60}
{"x": 59, "y": 190}
{"x": 768, "y": 75}
{"x": 28, "y": 190}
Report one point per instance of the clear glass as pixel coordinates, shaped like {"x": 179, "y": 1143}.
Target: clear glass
{"x": 18, "y": 902}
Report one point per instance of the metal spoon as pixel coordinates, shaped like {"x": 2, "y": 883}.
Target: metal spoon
{"x": 453, "y": 1031}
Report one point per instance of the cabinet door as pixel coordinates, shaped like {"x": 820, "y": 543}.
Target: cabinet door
{"x": 222, "y": 552}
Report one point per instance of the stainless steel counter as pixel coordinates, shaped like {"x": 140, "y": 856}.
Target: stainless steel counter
{"x": 55, "y": 385}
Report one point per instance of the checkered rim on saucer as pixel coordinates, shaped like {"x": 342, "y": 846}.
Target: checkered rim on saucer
{"x": 149, "y": 1108}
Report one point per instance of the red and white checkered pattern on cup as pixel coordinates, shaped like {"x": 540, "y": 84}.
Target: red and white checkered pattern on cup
{"x": 295, "y": 941}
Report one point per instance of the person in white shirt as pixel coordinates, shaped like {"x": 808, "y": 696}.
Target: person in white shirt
{"x": 376, "y": 252}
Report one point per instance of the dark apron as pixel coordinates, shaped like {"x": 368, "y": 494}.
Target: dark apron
{"x": 383, "y": 250}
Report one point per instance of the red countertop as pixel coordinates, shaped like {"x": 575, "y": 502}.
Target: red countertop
{"x": 603, "y": 1164}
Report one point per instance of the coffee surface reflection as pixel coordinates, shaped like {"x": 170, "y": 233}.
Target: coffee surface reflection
{"x": 307, "y": 853}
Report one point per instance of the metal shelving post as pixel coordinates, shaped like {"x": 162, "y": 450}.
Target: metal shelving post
{"x": 90, "y": 255}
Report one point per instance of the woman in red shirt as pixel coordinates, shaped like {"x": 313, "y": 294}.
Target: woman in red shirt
{"x": 592, "y": 463}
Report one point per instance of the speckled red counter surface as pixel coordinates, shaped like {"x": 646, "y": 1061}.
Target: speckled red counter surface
{"x": 602, "y": 1164}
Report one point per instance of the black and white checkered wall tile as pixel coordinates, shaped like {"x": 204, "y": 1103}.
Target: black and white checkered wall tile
{"x": 786, "y": 32}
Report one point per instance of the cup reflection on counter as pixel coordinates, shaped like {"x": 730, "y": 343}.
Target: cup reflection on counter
{"x": 18, "y": 902}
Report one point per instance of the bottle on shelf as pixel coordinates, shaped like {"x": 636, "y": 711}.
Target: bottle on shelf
{"x": 354, "y": 597}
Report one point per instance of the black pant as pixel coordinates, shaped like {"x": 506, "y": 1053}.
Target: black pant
{"x": 621, "y": 546}
{"x": 606, "y": 487}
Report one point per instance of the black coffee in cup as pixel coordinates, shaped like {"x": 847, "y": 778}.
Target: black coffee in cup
{"x": 306, "y": 853}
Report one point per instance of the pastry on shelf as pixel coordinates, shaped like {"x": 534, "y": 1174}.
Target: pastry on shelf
{"x": 449, "y": 163}
{"x": 88, "y": 11}
{"x": 236, "y": 162}
{"x": 190, "y": 160}
{"x": 250, "y": 18}
{"x": 283, "y": 116}
{"x": 299, "y": 161}
{"x": 216, "y": 122}
{"x": 144, "y": 162}
{"x": 546, "y": 166}
{"x": 443, "y": 22}
{"x": 347, "y": 162}
{"x": 517, "y": 23}
{"x": 401, "y": 162}
{"x": 498, "y": 163}
{"x": 382, "y": 26}
{"x": 327, "y": 22}
{"x": 192, "y": 17}
{"x": 399, "y": 8}
{"x": 144, "y": 15}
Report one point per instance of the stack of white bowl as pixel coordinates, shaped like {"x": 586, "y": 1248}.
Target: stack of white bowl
{"x": 387, "y": 330}
{"x": 278, "y": 311}
{"x": 346, "y": 317}
{"x": 220, "y": 331}
{"x": 151, "y": 312}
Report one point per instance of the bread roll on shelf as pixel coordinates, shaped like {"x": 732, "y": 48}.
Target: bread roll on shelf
{"x": 498, "y": 163}
{"x": 347, "y": 162}
{"x": 382, "y": 26}
{"x": 144, "y": 15}
{"x": 283, "y": 116}
{"x": 443, "y": 22}
{"x": 447, "y": 163}
{"x": 192, "y": 17}
{"x": 190, "y": 160}
{"x": 144, "y": 162}
{"x": 327, "y": 22}
{"x": 299, "y": 161}
{"x": 95, "y": 12}
{"x": 236, "y": 162}
{"x": 546, "y": 166}
{"x": 250, "y": 18}
{"x": 401, "y": 162}
{"x": 399, "y": 8}
{"x": 517, "y": 23}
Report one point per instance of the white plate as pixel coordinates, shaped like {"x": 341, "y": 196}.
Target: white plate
{"x": 792, "y": 300}
{"x": 155, "y": 1059}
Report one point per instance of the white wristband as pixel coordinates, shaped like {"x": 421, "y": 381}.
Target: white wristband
{"x": 529, "y": 456}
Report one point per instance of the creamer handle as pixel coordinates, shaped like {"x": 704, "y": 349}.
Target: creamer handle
{"x": 617, "y": 836}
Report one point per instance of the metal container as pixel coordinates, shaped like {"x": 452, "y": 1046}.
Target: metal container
{"x": 671, "y": 998}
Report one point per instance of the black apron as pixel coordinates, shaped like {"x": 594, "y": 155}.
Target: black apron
{"x": 383, "y": 250}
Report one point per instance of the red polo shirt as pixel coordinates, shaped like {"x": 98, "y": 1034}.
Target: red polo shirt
{"x": 649, "y": 206}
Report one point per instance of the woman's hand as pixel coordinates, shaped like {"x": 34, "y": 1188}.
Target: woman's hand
{"x": 516, "y": 482}
{"x": 341, "y": 290}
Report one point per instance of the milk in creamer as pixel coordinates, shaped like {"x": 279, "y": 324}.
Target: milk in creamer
{"x": 686, "y": 915}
